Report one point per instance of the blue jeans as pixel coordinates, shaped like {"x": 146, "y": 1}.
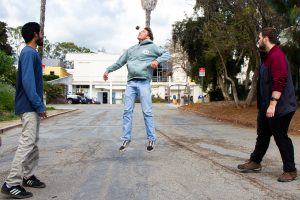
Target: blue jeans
{"x": 141, "y": 88}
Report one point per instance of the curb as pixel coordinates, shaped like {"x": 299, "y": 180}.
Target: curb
{"x": 2, "y": 130}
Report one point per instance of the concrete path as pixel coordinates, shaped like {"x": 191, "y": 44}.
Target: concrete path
{"x": 194, "y": 158}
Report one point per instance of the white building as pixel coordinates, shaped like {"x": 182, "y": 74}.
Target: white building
{"x": 88, "y": 80}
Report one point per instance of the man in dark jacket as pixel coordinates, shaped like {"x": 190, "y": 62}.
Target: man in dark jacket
{"x": 277, "y": 104}
{"x": 29, "y": 105}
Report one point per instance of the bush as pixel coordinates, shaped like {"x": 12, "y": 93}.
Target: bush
{"x": 158, "y": 100}
{"x": 242, "y": 92}
{"x": 50, "y": 77}
{"x": 58, "y": 100}
{"x": 216, "y": 95}
{"x": 7, "y": 70}
{"x": 7, "y": 96}
{"x": 54, "y": 93}
{"x": 154, "y": 100}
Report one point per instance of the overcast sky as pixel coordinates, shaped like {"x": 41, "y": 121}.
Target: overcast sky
{"x": 97, "y": 23}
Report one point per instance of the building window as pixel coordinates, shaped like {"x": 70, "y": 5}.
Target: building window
{"x": 82, "y": 86}
{"x": 52, "y": 73}
{"x": 162, "y": 72}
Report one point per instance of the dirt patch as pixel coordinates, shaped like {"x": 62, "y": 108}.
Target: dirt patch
{"x": 227, "y": 111}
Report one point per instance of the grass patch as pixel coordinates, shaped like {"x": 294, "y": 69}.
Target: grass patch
{"x": 50, "y": 108}
{"x": 7, "y": 116}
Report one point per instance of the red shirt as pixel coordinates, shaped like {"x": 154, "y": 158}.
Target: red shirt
{"x": 276, "y": 61}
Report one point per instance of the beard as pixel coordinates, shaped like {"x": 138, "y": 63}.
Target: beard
{"x": 40, "y": 41}
{"x": 262, "y": 52}
{"x": 262, "y": 47}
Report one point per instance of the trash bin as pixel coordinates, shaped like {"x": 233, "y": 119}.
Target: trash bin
{"x": 200, "y": 98}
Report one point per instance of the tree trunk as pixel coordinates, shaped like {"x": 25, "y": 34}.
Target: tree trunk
{"x": 224, "y": 90}
{"x": 233, "y": 86}
{"x": 247, "y": 81}
{"x": 148, "y": 16}
{"x": 42, "y": 24}
{"x": 253, "y": 88}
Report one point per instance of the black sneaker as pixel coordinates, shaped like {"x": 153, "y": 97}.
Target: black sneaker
{"x": 124, "y": 145}
{"x": 150, "y": 146}
{"x": 32, "y": 181}
{"x": 17, "y": 192}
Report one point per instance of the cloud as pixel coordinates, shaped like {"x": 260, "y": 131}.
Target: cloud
{"x": 96, "y": 24}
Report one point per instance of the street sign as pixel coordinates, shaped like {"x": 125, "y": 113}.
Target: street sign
{"x": 202, "y": 71}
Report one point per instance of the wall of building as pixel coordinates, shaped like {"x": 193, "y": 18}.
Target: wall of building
{"x": 59, "y": 71}
{"x": 88, "y": 79}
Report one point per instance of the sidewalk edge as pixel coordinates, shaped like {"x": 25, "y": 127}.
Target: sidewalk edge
{"x": 2, "y": 130}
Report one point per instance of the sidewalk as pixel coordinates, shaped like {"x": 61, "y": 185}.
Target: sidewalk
{"x": 7, "y": 125}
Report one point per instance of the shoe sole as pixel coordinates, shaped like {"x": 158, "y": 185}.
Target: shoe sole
{"x": 250, "y": 170}
{"x": 15, "y": 196}
{"x": 285, "y": 181}
{"x": 42, "y": 186}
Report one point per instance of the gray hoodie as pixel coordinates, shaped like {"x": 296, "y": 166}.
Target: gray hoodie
{"x": 138, "y": 59}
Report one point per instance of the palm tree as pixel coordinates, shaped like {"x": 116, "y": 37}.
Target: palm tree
{"x": 42, "y": 23}
{"x": 148, "y": 6}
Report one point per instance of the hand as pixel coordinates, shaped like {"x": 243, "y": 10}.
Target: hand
{"x": 105, "y": 76}
{"x": 271, "y": 111}
{"x": 42, "y": 114}
{"x": 154, "y": 64}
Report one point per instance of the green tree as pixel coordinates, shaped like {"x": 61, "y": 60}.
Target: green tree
{"x": 54, "y": 92}
{"x": 4, "y": 46}
{"x": 7, "y": 70}
{"x": 16, "y": 41}
{"x": 61, "y": 49}
{"x": 229, "y": 33}
{"x": 7, "y": 95}
{"x": 50, "y": 77}
{"x": 290, "y": 11}
{"x": 50, "y": 50}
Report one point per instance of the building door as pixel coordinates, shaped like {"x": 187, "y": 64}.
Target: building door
{"x": 104, "y": 98}
{"x": 100, "y": 97}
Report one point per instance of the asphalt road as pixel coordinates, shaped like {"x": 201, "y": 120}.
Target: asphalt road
{"x": 194, "y": 158}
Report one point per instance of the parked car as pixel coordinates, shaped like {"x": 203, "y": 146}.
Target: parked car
{"x": 85, "y": 100}
{"x": 73, "y": 98}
